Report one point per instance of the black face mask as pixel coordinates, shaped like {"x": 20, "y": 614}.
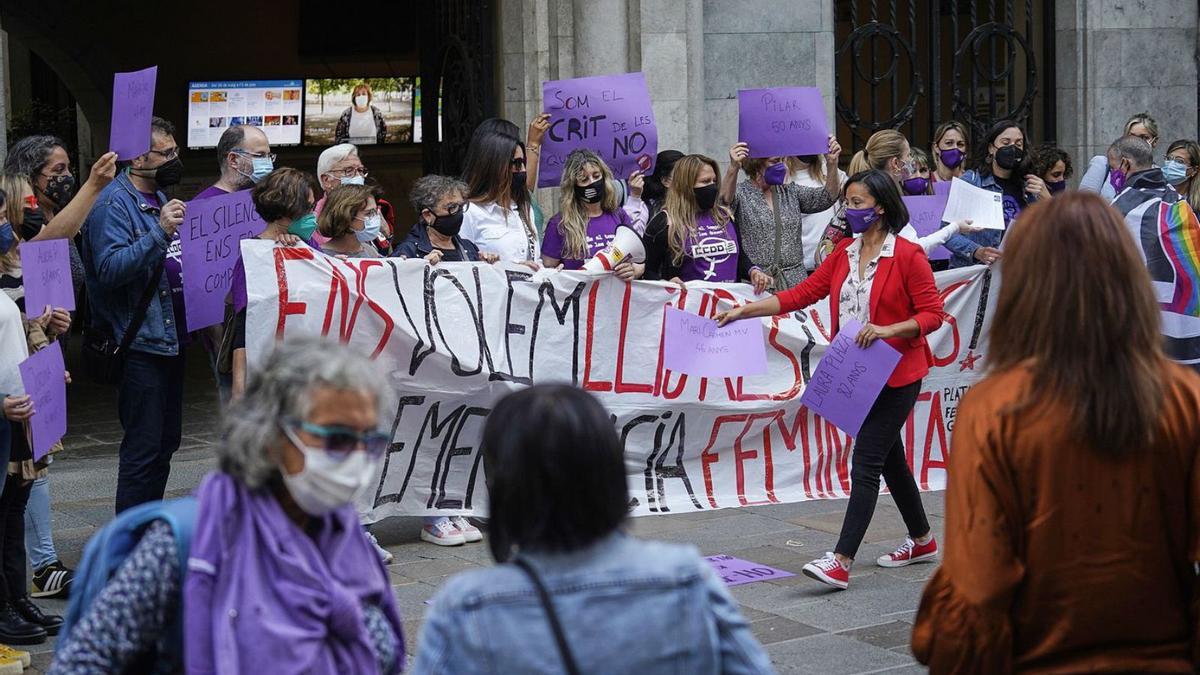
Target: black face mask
{"x": 32, "y": 221}
{"x": 518, "y": 185}
{"x": 60, "y": 189}
{"x": 447, "y": 226}
{"x": 167, "y": 174}
{"x": 592, "y": 193}
{"x": 706, "y": 197}
{"x": 1009, "y": 157}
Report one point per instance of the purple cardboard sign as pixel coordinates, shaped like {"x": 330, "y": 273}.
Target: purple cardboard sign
{"x": 610, "y": 114}
{"x": 783, "y": 121}
{"x": 735, "y": 571}
{"x": 211, "y": 235}
{"x": 46, "y": 269}
{"x": 695, "y": 345}
{"x": 132, "y": 108}
{"x": 43, "y": 376}
{"x": 849, "y": 378}
{"x": 942, "y": 187}
{"x": 925, "y": 215}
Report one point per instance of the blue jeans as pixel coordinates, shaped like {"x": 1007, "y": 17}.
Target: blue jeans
{"x": 150, "y": 405}
{"x": 39, "y": 541}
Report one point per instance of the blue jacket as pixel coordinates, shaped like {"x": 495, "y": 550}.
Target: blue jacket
{"x": 122, "y": 245}
{"x": 417, "y": 244}
{"x": 963, "y": 246}
{"x": 626, "y": 605}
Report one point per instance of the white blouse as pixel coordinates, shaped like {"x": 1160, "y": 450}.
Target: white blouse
{"x": 931, "y": 240}
{"x": 13, "y": 348}
{"x": 497, "y": 230}
{"x": 854, "y": 300}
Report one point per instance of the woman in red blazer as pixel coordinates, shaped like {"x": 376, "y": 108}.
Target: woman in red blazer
{"x": 885, "y": 283}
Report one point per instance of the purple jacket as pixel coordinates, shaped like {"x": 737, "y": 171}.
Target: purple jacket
{"x": 262, "y": 596}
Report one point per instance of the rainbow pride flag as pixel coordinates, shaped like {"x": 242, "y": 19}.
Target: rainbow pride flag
{"x": 1179, "y": 232}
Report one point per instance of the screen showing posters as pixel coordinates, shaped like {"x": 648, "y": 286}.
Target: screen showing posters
{"x": 274, "y": 106}
{"x": 362, "y": 111}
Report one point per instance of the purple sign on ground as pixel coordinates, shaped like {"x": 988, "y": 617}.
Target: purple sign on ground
{"x": 43, "y": 377}
{"x": 609, "y": 114}
{"x": 849, "y": 378}
{"x": 46, "y": 266}
{"x": 925, "y": 215}
{"x": 132, "y": 108}
{"x": 735, "y": 571}
{"x": 695, "y": 345}
{"x": 783, "y": 121}
{"x": 211, "y": 235}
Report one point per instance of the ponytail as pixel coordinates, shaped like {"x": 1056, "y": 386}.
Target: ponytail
{"x": 858, "y": 163}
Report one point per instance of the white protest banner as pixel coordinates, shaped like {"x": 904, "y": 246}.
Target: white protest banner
{"x": 460, "y": 335}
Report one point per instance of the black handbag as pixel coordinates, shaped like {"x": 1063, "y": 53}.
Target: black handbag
{"x": 103, "y": 356}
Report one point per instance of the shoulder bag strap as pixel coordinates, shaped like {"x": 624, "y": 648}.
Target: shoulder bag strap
{"x": 777, "y": 267}
{"x": 564, "y": 650}
{"x": 139, "y": 315}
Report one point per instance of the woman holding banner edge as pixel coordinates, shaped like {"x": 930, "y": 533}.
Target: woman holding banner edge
{"x": 884, "y": 282}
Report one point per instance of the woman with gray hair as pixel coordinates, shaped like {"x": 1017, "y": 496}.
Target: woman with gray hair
{"x": 276, "y": 540}
{"x": 440, "y": 202}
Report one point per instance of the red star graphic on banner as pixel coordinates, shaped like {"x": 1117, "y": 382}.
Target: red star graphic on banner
{"x": 969, "y": 362}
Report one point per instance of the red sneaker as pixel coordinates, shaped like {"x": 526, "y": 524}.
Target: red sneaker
{"x": 828, "y": 570}
{"x": 910, "y": 552}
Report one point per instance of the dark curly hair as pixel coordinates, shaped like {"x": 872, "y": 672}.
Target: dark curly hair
{"x": 1045, "y": 156}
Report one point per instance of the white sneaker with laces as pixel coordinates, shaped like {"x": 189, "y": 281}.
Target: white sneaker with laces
{"x": 470, "y": 533}
{"x": 442, "y": 532}
{"x": 384, "y": 554}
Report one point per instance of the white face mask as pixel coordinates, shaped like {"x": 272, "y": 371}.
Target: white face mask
{"x": 371, "y": 228}
{"x": 353, "y": 180}
{"x": 326, "y": 484}
{"x": 360, "y": 101}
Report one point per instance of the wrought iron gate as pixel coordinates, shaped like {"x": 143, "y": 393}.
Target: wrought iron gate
{"x": 456, "y": 78}
{"x": 913, "y": 64}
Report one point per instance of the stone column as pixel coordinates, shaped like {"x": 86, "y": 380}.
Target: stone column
{"x": 601, "y": 37}
{"x": 1116, "y": 59}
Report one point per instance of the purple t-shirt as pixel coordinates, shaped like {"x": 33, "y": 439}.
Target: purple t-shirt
{"x": 210, "y": 191}
{"x": 173, "y": 271}
{"x": 600, "y": 233}
{"x": 712, "y": 254}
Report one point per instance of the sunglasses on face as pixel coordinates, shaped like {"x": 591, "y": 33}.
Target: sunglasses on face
{"x": 518, "y": 164}
{"x": 339, "y": 440}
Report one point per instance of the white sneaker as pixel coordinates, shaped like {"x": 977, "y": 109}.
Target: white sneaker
{"x": 384, "y": 554}
{"x": 470, "y": 533}
{"x": 442, "y": 532}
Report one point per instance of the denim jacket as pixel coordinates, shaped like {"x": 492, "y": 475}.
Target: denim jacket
{"x": 963, "y": 246}
{"x": 626, "y": 606}
{"x": 122, "y": 245}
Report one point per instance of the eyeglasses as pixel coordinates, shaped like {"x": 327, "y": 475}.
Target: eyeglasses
{"x": 339, "y": 440}
{"x": 451, "y": 208}
{"x": 518, "y": 163}
{"x": 167, "y": 154}
{"x": 256, "y": 155}
{"x": 349, "y": 172}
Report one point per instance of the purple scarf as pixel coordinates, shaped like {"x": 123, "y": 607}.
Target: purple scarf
{"x": 262, "y": 596}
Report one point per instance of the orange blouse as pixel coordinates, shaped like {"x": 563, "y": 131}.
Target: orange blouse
{"x": 1058, "y": 559}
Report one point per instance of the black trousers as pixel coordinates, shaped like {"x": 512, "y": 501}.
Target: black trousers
{"x": 13, "y": 499}
{"x": 878, "y": 450}
{"x": 150, "y": 406}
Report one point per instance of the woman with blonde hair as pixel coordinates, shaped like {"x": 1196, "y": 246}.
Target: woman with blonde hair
{"x": 951, "y": 142}
{"x": 350, "y": 221}
{"x": 1073, "y": 496}
{"x": 588, "y": 216}
{"x": 694, "y": 238}
{"x": 1183, "y": 161}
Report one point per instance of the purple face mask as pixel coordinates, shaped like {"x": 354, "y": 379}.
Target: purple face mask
{"x": 952, "y": 157}
{"x": 861, "y": 219}
{"x": 775, "y": 174}
{"x": 1116, "y": 178}
{"x": 915, "y": 186}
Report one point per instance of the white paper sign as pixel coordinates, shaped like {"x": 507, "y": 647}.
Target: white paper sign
{"x": 983, "y": 208}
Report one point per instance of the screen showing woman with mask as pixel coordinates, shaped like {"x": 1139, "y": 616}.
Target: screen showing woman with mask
{"x": 362, "y": 123}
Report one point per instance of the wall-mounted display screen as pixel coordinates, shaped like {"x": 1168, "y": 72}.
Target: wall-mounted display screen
{"x": 362, "y": 111}
{"x": 275, "y": 106}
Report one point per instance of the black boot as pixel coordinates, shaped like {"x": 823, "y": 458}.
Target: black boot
{"x": 15, "y": 630}
{"x": 33, "y": 614}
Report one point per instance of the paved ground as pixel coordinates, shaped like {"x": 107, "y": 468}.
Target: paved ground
{"x": 805, "y": 627}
